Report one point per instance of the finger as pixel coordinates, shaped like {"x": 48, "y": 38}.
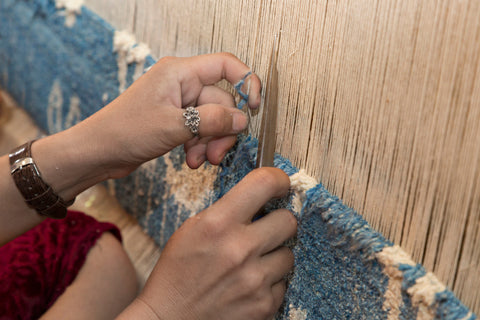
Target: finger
{"x": 273, "y": 229}
{"x": 194, "y": 142}
{"x": 252, "y": 192}
{"x": 218, "y": 147}
{"x": 190, "y": 143}
{"x": 196, "y": 154}
{"x": 277, "y": 264}
{"x": 211, "y": 68}
{"x": 198, "y": 150}
{"x": 278, "y": 292}
{"x": 216, "y": 95}
{"x": 215, "y": 120}
{"x": 218, "y": 120}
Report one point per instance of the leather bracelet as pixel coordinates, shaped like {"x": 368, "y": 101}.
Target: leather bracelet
{"x": 37, "y": 194}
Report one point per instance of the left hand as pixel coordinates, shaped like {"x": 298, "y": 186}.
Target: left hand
{"x": 143, "y": 123}
{"x": 147, "y": 121}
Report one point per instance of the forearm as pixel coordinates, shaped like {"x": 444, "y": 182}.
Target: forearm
{"x": 65, "y": 163}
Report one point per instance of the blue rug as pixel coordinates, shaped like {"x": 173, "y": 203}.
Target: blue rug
{"x": 63, "y": 64}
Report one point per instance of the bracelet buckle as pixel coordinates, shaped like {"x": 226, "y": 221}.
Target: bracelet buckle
{"x": 20, "y": 163}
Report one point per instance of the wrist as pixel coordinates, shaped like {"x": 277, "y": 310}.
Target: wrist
{"x": 138, "y": 309}
{"x": 67, "y": 164}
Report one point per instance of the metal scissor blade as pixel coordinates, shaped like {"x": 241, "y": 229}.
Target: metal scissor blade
{"x": 267, "y": 136}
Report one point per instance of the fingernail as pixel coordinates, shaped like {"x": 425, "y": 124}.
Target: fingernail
{"x": 239, "y": 121}
{"x": 254, "y": 101}
{"x": 200, "y": 160}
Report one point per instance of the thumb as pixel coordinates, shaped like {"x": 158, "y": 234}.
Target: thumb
{"x": 215, "y": 121}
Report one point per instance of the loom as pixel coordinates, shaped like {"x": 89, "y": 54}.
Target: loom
{"x": 378, "y": 126}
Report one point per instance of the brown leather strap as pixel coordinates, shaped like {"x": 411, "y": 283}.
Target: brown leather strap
{"x": 37, "y": 194}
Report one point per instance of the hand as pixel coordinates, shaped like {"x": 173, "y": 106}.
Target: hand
{"x": 141, "y": 124}
{"x": 220, "y": 265}
{"x": 147, "y": 120}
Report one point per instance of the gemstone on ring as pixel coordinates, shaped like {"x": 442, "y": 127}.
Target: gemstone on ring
{"x": 192, "y": 119}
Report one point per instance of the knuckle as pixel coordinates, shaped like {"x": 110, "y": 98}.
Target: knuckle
{"x": 245, "y": 243}
{"x": 265, "y": 177}
{"x": 272, "y": 178}
{"x": 235, "y": 254}
{"x": 166, "y": 60}
{"x": 228, "y": 55}
{"x": 253, "y": 281}
{"x": 232, "y": 259}
{"x": 212, "y": 226}
{"x": 216, "y": 119}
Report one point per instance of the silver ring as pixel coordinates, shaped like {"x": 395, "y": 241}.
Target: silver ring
{"x": 192, "y": 119}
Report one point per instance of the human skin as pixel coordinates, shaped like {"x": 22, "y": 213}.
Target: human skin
{"x": 143, "y": 123}
{"x": 218, "y": 265}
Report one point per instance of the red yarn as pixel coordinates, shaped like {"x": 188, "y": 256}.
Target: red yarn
{"x": 37, "y": 267}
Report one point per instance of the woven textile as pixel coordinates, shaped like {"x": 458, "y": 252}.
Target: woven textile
{"x": 63, "y": 64}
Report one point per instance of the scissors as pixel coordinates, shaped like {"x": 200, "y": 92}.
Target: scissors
{"x": 267, "y": 136}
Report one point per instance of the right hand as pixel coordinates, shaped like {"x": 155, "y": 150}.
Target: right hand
{"x": 221, "y": 265}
